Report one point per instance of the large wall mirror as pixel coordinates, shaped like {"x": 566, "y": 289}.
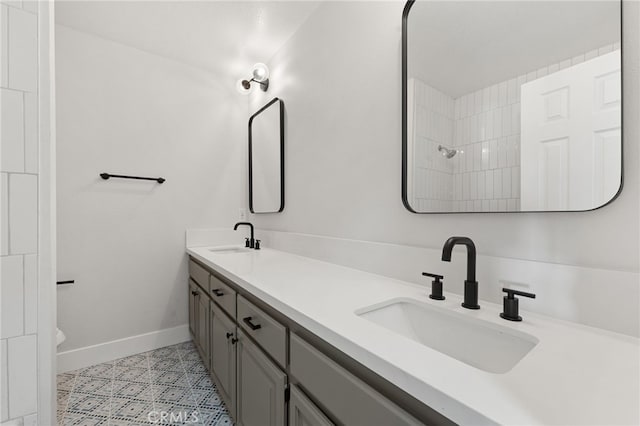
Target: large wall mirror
{"x": 511, "y": 106}
{"x": 266, "y": 158}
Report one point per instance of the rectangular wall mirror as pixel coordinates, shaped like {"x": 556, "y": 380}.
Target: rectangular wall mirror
{"x": 511, "y": 106}
{"x": 266, "y": 158}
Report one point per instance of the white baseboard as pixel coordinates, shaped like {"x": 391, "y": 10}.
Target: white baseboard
{"x": 109, "y": 351}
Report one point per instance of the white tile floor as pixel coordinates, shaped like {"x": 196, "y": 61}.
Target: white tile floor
{"x": 142, "y": 389}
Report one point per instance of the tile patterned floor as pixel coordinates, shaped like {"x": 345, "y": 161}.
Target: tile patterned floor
{"x": 171, "y": 380}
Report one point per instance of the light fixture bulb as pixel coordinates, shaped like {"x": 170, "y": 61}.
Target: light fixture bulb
{"x": 243, "y": 86}
{"x": 260, "y": 72}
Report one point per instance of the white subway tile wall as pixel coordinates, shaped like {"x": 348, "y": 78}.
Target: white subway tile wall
{"x": 4, "y": 212}
{"x": 12, "y": 107}
{"x": 19, "y": 211}
{"x": 23, "y": 50}
{"x": 4, "y": 382}
{"x": 484, "y": 126}
{"x": 23, "y": 213}
{"x": 23, "y": 379}
{"x": 4, "y": 46}
{"x": 433, "y": 177}
{"x": 12, "y": 297}
{"x": 488, "y": 138}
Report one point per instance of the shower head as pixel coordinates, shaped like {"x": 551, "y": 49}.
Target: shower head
{"x": 446, "y": 152}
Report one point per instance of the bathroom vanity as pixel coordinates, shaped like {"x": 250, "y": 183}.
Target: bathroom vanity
{"x": 261, "y": 361}
{"x": 292, "y": 340}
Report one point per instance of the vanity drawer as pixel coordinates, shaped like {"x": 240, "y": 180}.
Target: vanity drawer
{"x": 223, "y": 295}
{"x": 199, "y": 274}
{"x": 267, "y": 332}
{"x": 345, "y": 397}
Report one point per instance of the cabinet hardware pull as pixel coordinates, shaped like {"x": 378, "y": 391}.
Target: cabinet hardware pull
{"x": 229, "y": 335}
{"x": 217, "y": 292}
{"x": 253, "y": 326}
{"x": 233, "y": 341}
{"x": 195, "y": 293}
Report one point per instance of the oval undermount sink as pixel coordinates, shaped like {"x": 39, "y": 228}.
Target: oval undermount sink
{"x": 229, "y": 250}
{"x": 481, "y": 344}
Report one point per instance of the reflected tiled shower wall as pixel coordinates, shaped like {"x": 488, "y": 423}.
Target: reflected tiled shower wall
{"x": 434, "y": 125}
{"x": 487, "y": 135}
{"x": 19, "y": 214}
{"x": 485, "y": 129}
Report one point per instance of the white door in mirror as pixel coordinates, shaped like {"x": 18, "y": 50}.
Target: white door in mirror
{"x": 571, "y": 136}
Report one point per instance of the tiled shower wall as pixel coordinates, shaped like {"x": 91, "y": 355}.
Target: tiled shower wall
{"x": 434, "y": 125}
{"x": 487, "y": 133}
{"x": 19, "y": 181}
{"x": 485, "y": 174}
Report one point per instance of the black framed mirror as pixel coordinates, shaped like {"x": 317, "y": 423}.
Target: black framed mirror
{"x": 511, "y": 106}
{"x": 266, "y": 158}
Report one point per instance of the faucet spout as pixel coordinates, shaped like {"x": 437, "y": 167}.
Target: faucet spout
{"x": 471, "y": 254}
{"x": 470, "y": 284}
{"x": 252, "y": 243}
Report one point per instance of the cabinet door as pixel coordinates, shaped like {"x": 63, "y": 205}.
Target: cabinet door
{"x": 348, "y": 400}
{"x": 261, "y": 387}
{"x": 303, "y": 412}
{"x": 202, "y": 327}
{"x": 193, "y": 293}
{"x": 223, "y": 356}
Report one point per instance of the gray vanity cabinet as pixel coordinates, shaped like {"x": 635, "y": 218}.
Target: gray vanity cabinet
{"x": 264, "y": 330}
{"x": 202, "y": 326}
{"x": 223, "y": 356}
{"x": 193, "y": 304}
{"x": 199, "y": 308}
{"x": 348, "y": 400}
{"x": 261, "y": 387}
{"x": 303, "y": 412}
{"x": 223, "y": 295}
{"x": 199, "y": 319}
{"x": 271, "y": 372}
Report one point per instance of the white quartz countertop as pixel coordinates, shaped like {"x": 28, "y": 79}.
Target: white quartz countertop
{"x": 575, "y": 374}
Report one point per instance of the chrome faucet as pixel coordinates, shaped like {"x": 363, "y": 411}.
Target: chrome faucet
{"x": 470, "y": 284}
{"x": 252, "y": 243}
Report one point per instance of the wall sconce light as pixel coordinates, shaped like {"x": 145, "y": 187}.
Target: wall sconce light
{"x": 260, "y": 75}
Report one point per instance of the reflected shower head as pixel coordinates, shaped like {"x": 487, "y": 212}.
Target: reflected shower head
{"x": 446, "y": 152}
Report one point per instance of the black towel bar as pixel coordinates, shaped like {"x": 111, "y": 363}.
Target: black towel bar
{"x": 106, "y": 176}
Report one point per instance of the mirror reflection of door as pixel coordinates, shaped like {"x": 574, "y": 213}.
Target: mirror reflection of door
{"x": 512, "y": 105}
{"x": 266, "y": 168}
{"x": 571, "y": 136}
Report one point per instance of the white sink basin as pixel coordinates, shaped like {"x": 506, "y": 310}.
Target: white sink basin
{"x": 229, "y": 250}
{"x": 481, "y": 344}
